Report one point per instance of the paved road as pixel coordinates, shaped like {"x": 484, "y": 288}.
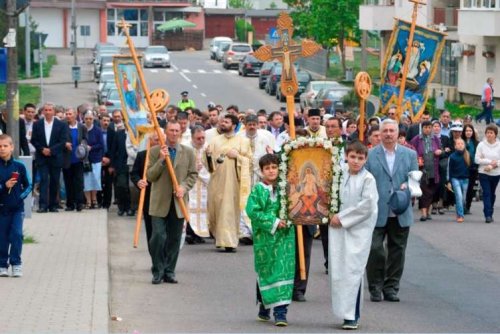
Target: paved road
{"x": 450, "y": 283}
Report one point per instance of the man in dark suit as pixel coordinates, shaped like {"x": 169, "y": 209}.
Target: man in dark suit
{"x": 390, "y": 164}
{"x": 108, "y": 132}
{"x": 167, "y": 218}
{"x": 416, "y": 129}
{"x": 49, "y": 137}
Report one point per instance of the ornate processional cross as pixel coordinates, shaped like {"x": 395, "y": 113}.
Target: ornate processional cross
{"x": 286, "y": 53}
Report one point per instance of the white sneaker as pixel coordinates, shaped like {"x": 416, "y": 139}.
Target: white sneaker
{"x": 17, "y": 271}
{"x": 4, "y": 272}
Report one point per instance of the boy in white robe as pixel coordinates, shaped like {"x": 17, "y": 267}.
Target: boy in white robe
{"x": 350, "y": 235}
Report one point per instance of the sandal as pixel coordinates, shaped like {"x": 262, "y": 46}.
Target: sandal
{"x": 94, "y": 205}
{"x": 88, "y": 206}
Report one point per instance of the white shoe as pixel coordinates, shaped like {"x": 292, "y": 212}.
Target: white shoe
{"x": 17, "y": 271}
{"x": 4, "y": 272}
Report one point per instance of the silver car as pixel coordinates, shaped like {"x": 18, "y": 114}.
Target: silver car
{"x": 235, "y": 53}
{"x": 312, "y": 89}
{"x": 156, "y": 55}
{"x": 113, "y": 101}
{"x": 223, "y": 46}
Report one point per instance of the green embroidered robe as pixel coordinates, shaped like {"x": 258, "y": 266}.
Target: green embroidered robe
{"x": 274, "y": 249}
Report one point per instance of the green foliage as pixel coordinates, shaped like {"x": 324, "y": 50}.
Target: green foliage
{"x": 27, "y": 93}
{"x": 28, "y": 239}
{"x": 272, "y": 5}
{"x": 35, "y": 68}
{"x": 245, "y": 4}
{"x": 242, "y": 28}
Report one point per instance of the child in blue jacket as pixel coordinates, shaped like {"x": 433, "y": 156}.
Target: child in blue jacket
{"x": 14, "y": 188}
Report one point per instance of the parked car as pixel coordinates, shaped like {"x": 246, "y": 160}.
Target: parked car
{"x": 106, "y": 87}
{"x": 215, "y": 43}
{"x": 113, "y": 101}
{"x": 156, "y": 55}
{"x": 303, "y": 79}
{"x": 331, "y": 98}
{"x": 103, "y": 57}
{"x": 99, "y": 46}
{"x": 223, "y": 46}
{"x": 105, "y": 77}
{"x": 264, "y": 73}
{"x": 273, "y": 78}
{"x": 312, "y": 89}
{"x": 249, "y": 65}
{"x": 235, "y": 53}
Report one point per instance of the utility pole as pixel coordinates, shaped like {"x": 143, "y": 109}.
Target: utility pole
{"x": 12, "y": 92}
{"x": 73, "y": 28}
{"x": 27, "y": 40}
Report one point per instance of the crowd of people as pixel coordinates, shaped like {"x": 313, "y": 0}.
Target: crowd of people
{"x": 219, "y": 155}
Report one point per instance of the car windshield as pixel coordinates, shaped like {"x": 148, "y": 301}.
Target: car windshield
{"x": 109, "y": 49}
{"x": 113, "y": 95}
{"x": 224, "y": 45}
{"x": 320, "y": 85}
{"x": 337, "y": 94}
{"x": 251, "y": 59}
{"x": 242, "y": 48}
{"x": 107, "y": 76}
{"x": 156, "y": 49}
{"x": 303, "y": 76}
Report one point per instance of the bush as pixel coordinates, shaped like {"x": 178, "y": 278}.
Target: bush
{"x": 242, "y": 28}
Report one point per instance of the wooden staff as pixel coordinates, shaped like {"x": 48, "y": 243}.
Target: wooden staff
{"x": 141, "y": 197}
{"x": 152, "y": 109}
{"x": 406, "y": 64}
{"x": 363, "y": 87}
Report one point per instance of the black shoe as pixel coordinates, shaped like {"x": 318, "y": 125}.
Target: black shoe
{"x": 41, "y": 211}
{"x": 170, "y": 279}
{"x": 156, "y": 279}
{"x": 247, "y": 241}
{"x": 69, "y": 208}
{"x": 440, "y": 211}
{"x": 199, "y": 240}
{"x": 428, "y": 217}
{"x": 391, "y": 297}
{"x": 375, "y": 297}
{"x": 298, "y": 297}
{"x": 423, "y": 218}
{"x": 121, "y": 212}
{"x": 189, "y": 240}
{"x": 434, "y": 211}
{"x": 130, "y": 213}
{"x": 230, "y": 250}
{"x": 79, "y": 207}
{"x": 53, "y": 210}
{"x": 350, "y": 324}
{"x": 488, "y": 220}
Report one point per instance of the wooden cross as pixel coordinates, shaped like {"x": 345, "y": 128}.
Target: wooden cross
{"x": 286, "y": 53}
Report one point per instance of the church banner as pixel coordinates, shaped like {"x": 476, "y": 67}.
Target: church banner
{"x": 424, "y": 54}
{"x": 133, "y": 104}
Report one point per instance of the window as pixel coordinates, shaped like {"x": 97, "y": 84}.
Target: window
{"x": 84, "y": 30}
{"x": 128, "y": 14}
{"x": 144, "y": 28}
{"x": 111, "y": 28}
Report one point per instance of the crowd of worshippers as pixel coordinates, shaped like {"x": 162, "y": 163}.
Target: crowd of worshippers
{"x": 54, "y": 143}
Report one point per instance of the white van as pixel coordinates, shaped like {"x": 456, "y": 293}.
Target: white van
{"x": 214, "y": 44}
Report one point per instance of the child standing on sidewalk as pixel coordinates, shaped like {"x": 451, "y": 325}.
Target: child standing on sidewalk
{"x": 458, "y": 175}
{"x": 14, "y": 188}
{"x": 350, "y": 235}
{"x": 274, "y": 245}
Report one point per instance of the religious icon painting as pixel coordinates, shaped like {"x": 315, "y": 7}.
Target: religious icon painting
{"x": 424, "y": 56}
{"x": 133, "y": 104}
{"x": 309, "y": 181}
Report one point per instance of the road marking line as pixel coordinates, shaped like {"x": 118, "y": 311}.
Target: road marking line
{"x": 175, "y": 67}
{"x": 202, "y": 71}
{"x": 185, "y": 77}
{"x": 233, "y": 71}
{"x": 185, "y": 70}
{"x": 195, "y": 87}
{"x": 217, "y": 71}
{"x": 169, "y": 70}
{"x": 203, "y": 94}
{"x": 153, "y": 71}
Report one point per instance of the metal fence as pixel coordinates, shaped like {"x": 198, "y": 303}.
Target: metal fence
{"x": 317, "y": 65}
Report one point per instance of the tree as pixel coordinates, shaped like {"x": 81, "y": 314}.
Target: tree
{"x": 328, "y": 22}
{"x": 245, "y": 4}
{"x": 242, "y": 29}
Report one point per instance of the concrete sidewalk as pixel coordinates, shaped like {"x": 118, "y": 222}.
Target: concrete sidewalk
{"x": 66, "y": 279}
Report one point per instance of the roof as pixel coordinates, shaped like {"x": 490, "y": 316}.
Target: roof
{"x": 220, "y": 11}
{"x": 265, "y": 12}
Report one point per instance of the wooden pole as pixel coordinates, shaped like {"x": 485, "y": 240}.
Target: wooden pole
{"x": 141, "y": 197}
{"x": 290, "y": 105}
{"x": 407, "y": 57}
{"x": 363, "y": 87}
{"x": 156, "y": 126}
{"x": 362, "y": 106}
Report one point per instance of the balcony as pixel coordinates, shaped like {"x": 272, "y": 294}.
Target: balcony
{"x": 479, "y": 18}
{"x": 377, "y": 15}
{"x": 447, "y": 16}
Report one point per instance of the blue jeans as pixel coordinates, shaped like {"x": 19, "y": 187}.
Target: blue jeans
{"x": 487, "y": 114}
{"x": 460, "y": 190}
{"x": 489, "y": 185}
{"x": 280, "y": 310}
{"x": 11, "y": 236}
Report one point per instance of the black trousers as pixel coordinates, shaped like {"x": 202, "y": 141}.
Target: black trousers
{"x": 49, "y": 186}
{"x": 122, "y": 190}
{"x": 73, "y": 181}
{"x": 473, "y": 175}
{"x": 384, "y": 271}
{"x": 165, "y": 242}
{"x": 323, "y": 230}
{"x": 300, "y": 286}
{"x": 104, "y": 196}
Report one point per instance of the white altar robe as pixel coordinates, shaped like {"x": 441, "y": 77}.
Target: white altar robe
{"x": 198, "y": 197}
{"x": 349, "y": 246}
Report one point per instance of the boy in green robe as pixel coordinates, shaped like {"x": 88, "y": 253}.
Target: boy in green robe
{"x": 274, "y": 245}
